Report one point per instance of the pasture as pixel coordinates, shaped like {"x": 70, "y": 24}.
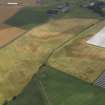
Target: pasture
{"x": 28, "y": 17}
{"x": 61, "y": 27}
{"x": 52, "y": 87}
{"x": 63, "y": 89}
{"x": 31, "y": 95}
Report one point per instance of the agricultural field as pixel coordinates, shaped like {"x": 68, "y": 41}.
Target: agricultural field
{"x": 57, "y": 88}
{"x": 31, "y": 95}
{"x": 28, "y": 36}
{"x": 28, "y": 17}
{"x": 68, "y": 28}
{"x": 79, "y": 58}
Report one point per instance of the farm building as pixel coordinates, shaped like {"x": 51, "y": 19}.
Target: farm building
{"x": 52, "y": 12}
{"x": 98, "y": 39}
{"x": 65, "y": 7}
{"x": 98, "y": 7}
{"x": 61, "y": 8}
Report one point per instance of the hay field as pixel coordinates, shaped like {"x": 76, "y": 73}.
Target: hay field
{"x": 79, "y": 59}
{"x": 18, "y": 62}
{"x": 61, "y": 27}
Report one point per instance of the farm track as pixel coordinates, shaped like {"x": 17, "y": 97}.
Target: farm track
{"x": 44, "y": 92}
{"x": 42, "y": 87}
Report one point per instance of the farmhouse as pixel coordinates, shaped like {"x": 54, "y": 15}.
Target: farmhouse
{"x": 98, "y": 39}
{"x": 61, "y": 8}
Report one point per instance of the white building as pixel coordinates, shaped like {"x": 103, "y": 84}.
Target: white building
{"x": 98, "y": 39}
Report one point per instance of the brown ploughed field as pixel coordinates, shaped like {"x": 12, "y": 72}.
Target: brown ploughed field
{"x": 9, "y": 33}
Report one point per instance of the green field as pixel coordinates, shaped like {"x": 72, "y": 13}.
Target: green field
{"x": 58, "y": 88}
{"x": 28, "y": 17}
{"x": 31, "y": 95}
{"x": 63, "y": 89}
